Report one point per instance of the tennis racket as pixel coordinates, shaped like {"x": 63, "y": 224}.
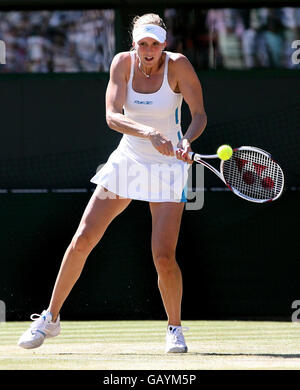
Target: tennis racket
{"x": 251, "y": 173}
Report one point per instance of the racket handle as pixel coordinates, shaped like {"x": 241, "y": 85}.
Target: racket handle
{"x": 190, "y": 154}
{"x": 193, "y": 156}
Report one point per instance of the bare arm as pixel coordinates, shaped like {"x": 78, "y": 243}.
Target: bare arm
{"x": 191, "y": 90}
{"x": 115, "y": 99}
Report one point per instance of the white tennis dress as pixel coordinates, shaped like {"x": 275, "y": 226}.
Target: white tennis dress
{"x": 136, "y": 170}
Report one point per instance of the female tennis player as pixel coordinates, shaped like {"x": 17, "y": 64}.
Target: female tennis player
{"x": 143, "y": 102}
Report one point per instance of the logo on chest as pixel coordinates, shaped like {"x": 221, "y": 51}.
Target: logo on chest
{"x": 146, "y": 102}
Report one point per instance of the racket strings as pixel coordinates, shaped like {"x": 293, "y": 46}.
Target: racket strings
{"x": 253, "y": 174}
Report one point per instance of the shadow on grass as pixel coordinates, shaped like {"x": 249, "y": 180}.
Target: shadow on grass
{"x": 276, "y": 355}
{"x": 272, "y": 355}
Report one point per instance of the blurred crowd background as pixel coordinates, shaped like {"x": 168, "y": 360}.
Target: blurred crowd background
{"x": 235, "y": 38}
{"x": 84, "y": 41}
{"x": 58, "y": 41}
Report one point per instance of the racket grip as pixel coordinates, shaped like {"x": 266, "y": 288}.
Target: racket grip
{"x": 190, "y": 154}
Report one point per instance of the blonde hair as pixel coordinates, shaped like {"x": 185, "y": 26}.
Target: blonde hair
{"x": 147, "y": 19}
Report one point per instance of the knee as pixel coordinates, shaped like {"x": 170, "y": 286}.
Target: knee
{"x": 82, "y": 242}
{"x": 165, "y": 263}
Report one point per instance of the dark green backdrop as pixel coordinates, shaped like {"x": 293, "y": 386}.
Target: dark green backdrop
{"x": 238, "y": 259}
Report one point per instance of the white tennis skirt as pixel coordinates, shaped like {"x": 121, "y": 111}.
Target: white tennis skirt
{"x": 127, "y": 177}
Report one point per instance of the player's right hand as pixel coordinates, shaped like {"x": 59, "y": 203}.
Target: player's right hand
{"x": 161, "y": 143}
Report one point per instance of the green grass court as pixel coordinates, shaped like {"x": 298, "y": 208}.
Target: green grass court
{"x": 139, "y": 345}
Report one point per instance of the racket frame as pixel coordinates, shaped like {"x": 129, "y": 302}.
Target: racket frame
{"x": 199, "y": 158}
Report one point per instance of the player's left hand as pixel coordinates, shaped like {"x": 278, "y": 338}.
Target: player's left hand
{"x": 185, "y": 147}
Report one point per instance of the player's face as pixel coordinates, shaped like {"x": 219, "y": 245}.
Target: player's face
{"x": 149, "y": 50}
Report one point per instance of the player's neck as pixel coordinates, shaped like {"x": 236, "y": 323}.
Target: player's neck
{"x": 148, "y": 71}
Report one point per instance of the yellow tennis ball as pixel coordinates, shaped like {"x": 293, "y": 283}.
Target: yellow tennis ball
{"x": 224, "y": 152}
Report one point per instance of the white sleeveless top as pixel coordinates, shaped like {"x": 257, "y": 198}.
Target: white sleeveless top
{"x": 160, "y": 110}
{"x": 136, "y": 169}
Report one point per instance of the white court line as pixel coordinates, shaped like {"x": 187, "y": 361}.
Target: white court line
{"x": 86, "y": 190}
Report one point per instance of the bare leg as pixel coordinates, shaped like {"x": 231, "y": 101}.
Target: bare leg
{"x": 166, "y": 219}
{"x": 99, "y": 213}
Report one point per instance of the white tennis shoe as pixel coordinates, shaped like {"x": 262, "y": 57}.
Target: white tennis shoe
{"x": 41, "y": 328}
{"x": 175, "y": 340}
